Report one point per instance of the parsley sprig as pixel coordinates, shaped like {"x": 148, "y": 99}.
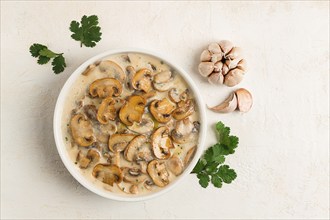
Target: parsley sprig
{"x": 87, "y": 31}
{"x": 210, "y": 166}
{"x": 44, "y": 55}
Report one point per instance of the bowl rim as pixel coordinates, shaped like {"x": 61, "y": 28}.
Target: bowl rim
{"x": 59, "y": 140}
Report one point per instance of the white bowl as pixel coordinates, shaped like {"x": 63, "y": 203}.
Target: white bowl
{"x": 61, "y": 147}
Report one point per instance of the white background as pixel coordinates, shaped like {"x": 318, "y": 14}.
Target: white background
{"x": 283, "y": 156}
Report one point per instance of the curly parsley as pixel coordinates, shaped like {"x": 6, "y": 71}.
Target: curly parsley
{"x": 87, "y": 31}
{"x": 44, "y": 55}
{"x": 210, "y": 166}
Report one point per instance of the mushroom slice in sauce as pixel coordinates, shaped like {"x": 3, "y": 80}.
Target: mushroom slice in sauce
{"x": 133, "y": 147}
{"x": 92, "y": 156}
{"x": 145, "y": 126}
{"x": 190, "y": 154}
{"x": 142, "y": 80}
{"x": 112, "y": 70}
{"x": 118, "y": 142}
{"x": 132, "y": 110}
{"x": 161, "y": 110}
{"x": 130, "y": 70}
{"x": 81, "y": 130}
{"x": 184, "y": 131}
{"x": 148, "y": 184}
{"x": 184, "y": 110}
{"x": 163, "y": 81}
{"x": 175, "y": 165}
{"x": 158, "y": 173}
{"x": 90, "y": 111}
{"x": 133, "y": 175}
{"x": 107, "y": 110}
{"x": 105, "y": 87}
{"x": 161, "y": 143}
{"x": 108, "y": 174}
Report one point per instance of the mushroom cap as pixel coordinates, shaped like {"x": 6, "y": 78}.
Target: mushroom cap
{"x": 130, "y": 70}
{"x": 142, "y": 80}
{"x": 229, "y": 105}
{"x": 132, "y": 110}
{"x": 132, "y": 148}
{"x": 161, "y": 110}
{"x": 112, "y": 69}
{"x": 145, "y": 126}
{"x": 133, "y": 175}
{"x": 244, "y": 100}
{"x": 118, "y": 142}
{"x": 174, "y": 95}
{"x": 163, "y": 81}
{"x": 185, "y": 109}
{"x": 183, "y": 131}
{"x": 190, "y": 154}
{"x": 161, "y": 143}
{"x": 175, "y": 165}
{"x": 105, "y": 87}
{"x": 81, "y": 130}
{"x": 158, "y": 173}
{"x": 107, "y": 110}
{"x": 108, "y": 174}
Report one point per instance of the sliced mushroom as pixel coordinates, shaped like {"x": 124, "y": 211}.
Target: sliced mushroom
{"x": 134, "y": 189}
{"x": 184, "y": 110}
{"x": 114, "y": 158}
{"x": 145, "y": 126}
{"x": 81, "y": 130}
{"x": 108, "y": 174}
{"x": 161, "y": 143}
{"x": 104, "y": 131}
{"x": 190, "y": 154}
{"x": 133, "y": 175}
{"x": 89, "y": 69}
{"x": 244, "y": 100}
{"x": 130, "y": 73}
{"x": 105, "y": 87}
{"x": 183, "y": 131}
{"x": 132, "y": 148}
{"x": 113, "y": 70}
{"x": 174, "y": 95}
{"x": 229, "y": 105}
{"x": 82, "y": 160}
{"x": 161, "y": 110}
{"x": 132, "y": 110}
{"x": 119, "y": 142}
{"x": 142, "y": 80}
{"x": 175, "y": 165}
{"x": 148, "y": 184}
{"x": 93, "y": 155}
{"x": 90, "y": 111}
{"x": 107, "y": 110}
{"x": 158, "y": 173}
{"x": 163, "y": 81}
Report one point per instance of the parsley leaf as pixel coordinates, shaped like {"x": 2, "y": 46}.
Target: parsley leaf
{"x": 209, "y": 167}
{"x": 44, "y": 55}
{"x": 58, "y": 64}
{"x": 87, "y": 31}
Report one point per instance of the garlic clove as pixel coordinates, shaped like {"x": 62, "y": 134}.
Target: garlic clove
{"x": 229, "y": 105}
{"x": 225, "y": 69}
{"x": 226, "y": 46}
{"x": 215, "y": 48}
{"x": 244, "y": 100}
{"x": 233, "y": 77}
{"x": 235, "y": 53}
{"x": 242, "y": 65}
{"x": 205, "y": 56}
{"x": 216, "y": 57}
{"x": 216, "y": 78}
{"x": 205, "y": 68}
{"x": 232, "y": 63}
{"x": 218, "y": 67}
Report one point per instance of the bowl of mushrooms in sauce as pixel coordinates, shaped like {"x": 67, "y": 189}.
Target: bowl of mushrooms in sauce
{"x": 129, "y": 125}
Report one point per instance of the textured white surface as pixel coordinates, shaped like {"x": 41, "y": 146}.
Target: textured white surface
{"x": 283, "y": 157}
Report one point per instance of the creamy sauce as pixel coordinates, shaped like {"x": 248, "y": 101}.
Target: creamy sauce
{"x": 78, "y": 95}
